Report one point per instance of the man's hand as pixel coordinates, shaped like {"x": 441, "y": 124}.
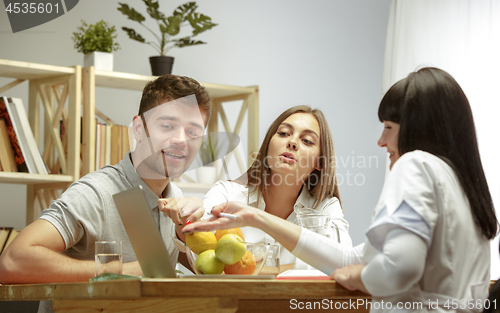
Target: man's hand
{"x": 180, "y": 210}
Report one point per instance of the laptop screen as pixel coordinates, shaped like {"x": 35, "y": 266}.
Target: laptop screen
{"x": 143, "y": 234}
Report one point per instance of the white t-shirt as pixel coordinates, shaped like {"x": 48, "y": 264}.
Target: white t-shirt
{"x": 224, "y": 191}
{"x": 423, "y": 201}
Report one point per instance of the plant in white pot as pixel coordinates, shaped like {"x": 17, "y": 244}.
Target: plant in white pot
{"x": 169, "y": 27}
{"x": 97, "y": 42}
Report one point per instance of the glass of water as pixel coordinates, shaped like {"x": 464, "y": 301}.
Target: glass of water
{"x": 108, "y": 257}
{"x": 272, "y": 265}
{"x": 318, "y": 223}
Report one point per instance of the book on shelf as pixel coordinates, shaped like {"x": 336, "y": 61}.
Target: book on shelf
{"x": 107, "y": 146}
{"x": 7, "y": 235}
{"x": 26, "y": 135}
{"x": 125, "y": 141}
{"x": 97, "y": 145}
{"x": 18, "y": 154}
{"x": 116, "y": 146}
{"x": 6, "y": 153}
{"x": 112, "y": 143}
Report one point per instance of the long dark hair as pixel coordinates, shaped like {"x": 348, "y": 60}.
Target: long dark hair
{"x": 435, "y": 116}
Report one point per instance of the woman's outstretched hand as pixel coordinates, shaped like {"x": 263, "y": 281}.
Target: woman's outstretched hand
{"x": 245, "y": 216}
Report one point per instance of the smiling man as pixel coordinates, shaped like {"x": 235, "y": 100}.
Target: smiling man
{"x": 59, "y": 246}
{"x": 170, "y": 135}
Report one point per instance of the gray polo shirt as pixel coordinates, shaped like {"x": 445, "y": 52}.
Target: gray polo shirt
{"x": 86, "y": 213}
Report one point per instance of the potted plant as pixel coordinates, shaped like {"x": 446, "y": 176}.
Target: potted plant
{"x": 168, "y": 27}
{"x": 206, "y": 174}
{"x": 97, "y": 42}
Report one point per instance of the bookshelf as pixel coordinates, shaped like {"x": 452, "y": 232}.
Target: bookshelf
{"x": 63, "y": 92}
{"x": 55, "y": 90}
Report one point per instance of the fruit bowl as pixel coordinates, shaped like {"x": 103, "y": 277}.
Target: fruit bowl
{"x": 208, "y": 261}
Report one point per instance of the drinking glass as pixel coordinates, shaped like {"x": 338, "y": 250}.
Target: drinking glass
{"x": 272, "y": 264}
{"x": 318, "y": 223}
{"x": 108, "y": 257}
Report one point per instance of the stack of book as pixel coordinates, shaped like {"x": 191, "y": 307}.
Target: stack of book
{"x": 18, "y": 148}
{"x": 112, "y": 143}
{"x": 7, "y": 234}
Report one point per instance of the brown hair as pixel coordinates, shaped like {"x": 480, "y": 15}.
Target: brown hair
{"x": 321, "y": 184}
{"x": 171, "y": 87}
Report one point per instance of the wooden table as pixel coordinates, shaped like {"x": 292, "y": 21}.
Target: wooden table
{"x": 191, "y": 295}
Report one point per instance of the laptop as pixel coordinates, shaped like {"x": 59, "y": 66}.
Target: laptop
{"x": 143, "y": 234}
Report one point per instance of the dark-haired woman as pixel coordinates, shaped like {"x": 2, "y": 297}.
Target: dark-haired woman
{"x": 293, "y": 169}
{"x": 428, "y": 244}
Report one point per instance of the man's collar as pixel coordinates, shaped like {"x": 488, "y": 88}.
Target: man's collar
{"x": 134, "y": 178}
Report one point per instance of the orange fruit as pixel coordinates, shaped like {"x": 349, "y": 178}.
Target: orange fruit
{"x": 222, "y": 232}
{"x": 245, "y": 266}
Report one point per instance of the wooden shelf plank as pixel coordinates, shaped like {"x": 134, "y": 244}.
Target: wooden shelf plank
{"x": 137, "y": 82}
{"x": 27, "y": 70}
{"x": 30, "y": 179}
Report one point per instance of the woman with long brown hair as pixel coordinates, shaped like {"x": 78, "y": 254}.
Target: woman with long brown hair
{"x": 294, "y": 169}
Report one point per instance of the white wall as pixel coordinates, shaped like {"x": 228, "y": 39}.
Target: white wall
{"x": 324, "y": 53}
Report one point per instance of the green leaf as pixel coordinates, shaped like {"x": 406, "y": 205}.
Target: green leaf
{"x": 184, "y": 10}
{"x": 133, "y": 35}
{"x": 200, "y": 23}
{"x": 174, "y": 25}
{"x": 131, "y": 13}
{"x": 168, "y": 26}
{"x": 187, "y": 41}
{"x": 153, "y": 10}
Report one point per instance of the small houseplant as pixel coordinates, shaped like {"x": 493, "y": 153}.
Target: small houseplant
{"x": 169, "y": 27}
{"x": 97, "y": 42}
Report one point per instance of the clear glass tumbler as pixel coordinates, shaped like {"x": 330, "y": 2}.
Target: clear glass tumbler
{"x": 108, "y": 257}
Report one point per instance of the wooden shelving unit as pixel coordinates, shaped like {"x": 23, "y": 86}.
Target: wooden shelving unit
{"x": 59, "y": 92}
{"x": 56, "y": 90}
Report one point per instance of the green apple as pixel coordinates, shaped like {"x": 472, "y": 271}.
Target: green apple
{"x": 230, "y": 249}
{"x": 207, "y": 263}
